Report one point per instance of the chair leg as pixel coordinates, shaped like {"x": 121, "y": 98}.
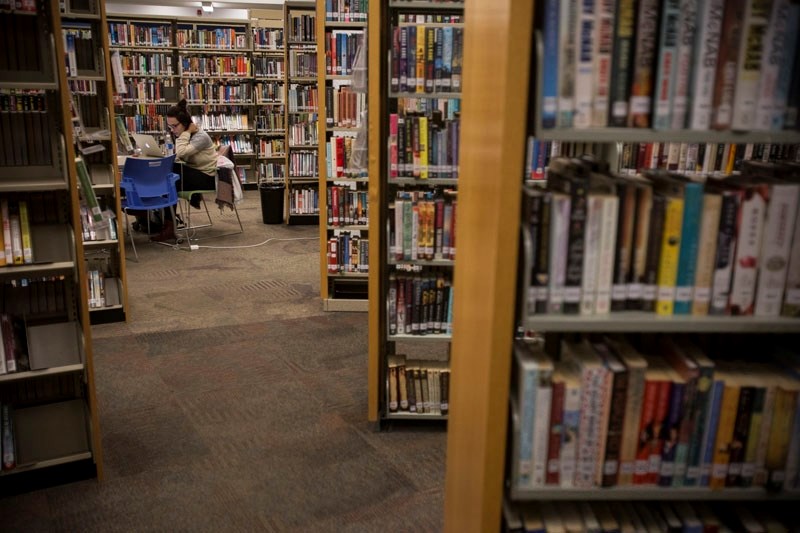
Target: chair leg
{"x": 130, "y": 234}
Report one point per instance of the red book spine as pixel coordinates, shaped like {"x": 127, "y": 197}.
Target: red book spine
{"x": 646, "y": 432}
{"x": 556, "y": 428}
{"x": 657, "y": 444}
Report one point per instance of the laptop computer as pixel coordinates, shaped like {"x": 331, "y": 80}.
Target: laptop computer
{"x": 148, "y": 145}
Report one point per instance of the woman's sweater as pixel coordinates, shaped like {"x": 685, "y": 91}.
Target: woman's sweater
{"x": 197, "y": 151}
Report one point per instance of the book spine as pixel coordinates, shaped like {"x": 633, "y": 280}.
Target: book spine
{"x": 775, "y": 52}
{"x": 775, "y": 248}
{"x": 726, "y": 248}
{"x": 741, "y": 427}
{"x": 528, "y": 383}
{"x": 727, "y": 64}
{"x": 641, "y": 244}
{"x": 793, "y": 455}
{"x": 659, "y": 437}
{"x": 670, "y": 434}
{"x": 746, "y": 263}
{"x": 668, "y": 262}
{"x": 575, "y": 248}
{"x": 686, "y": 430}
{"x": 644, "y": 435}
{"x": 559, "y": 238}
{"x": 584, "y": 60}
{"x": 760, "y": 471}
{"x": 543, "y": 254}
{"x": 633, "y": 413}
{"x": 541, "y": 436}
{"x": 608, "y": 243}
{"x": 591, "y": 253}
{"x": 654, "y": 247}
{"x": 615, "y": 429}
{"x": 749, "y": 63}
{"x": 555, "y": 433}
{"x": 588, "y": 434}
{"x": 570, "y": 436}
{"x": 8, "y": 440}
{"x": 687, "y": 257}
{"x": 751, "y": 445}
{"x": 706, "y": 250}
{"x": 727, "y": 418}
{"x": 683, "y": 62}
{"x": 787, "y": 87}
{"x": 25, "y": 229}
{"x": 420, "y": 59}
{"x": 780, "y": 435}
{"x": 603, "y": 43}
{"x": 640, "y": 104}
{"x": 567, "y": 62}
{"x": 699, "y": 413}
{"x": 550, "y": 72}
{"x": 624, "y": 245}
{"x": 622, "y": 61}
{"x": 665, "y": 73}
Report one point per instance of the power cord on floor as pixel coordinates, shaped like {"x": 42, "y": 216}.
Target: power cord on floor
{"x": 198, "y": 246}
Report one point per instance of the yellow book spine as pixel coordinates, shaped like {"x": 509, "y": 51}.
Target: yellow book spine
{"x": 423, "y": 147}
{"x": 420, "y": 59}
{"x": 725, "y": 427}
{"x": 780, "y": 435}
{"x": 670, "y": 248}
{"x": 25, "y": 228}
{"x": 707, "y": 247}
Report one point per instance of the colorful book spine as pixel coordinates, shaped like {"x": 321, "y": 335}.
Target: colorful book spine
{"x": 687, "y": 257}
{"x": 724, "y": 438}
{"x": 748, "y": 246}
{"x": 726, "y": 248}
{"x": 751, "y": 445}
{"x": 667, "y": 61}
{"x": 710, "y": 433}
{"x": 791, "y": 63}
{"x": 603, "y": 50}
{"x": 727, "y": 64}
{"x": 709, "y": 26}
{"x": 642, "y": 82}
{"x": 556, "y": 430}
{"x": 668, "y": 263}
{"x": 740, "y": 436}
{"x": 568, "y": 44}
{"x": 550, "y": 70}
{"x": 622, "y": 61}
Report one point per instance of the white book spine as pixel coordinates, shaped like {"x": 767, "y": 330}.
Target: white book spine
{"x": 587, "y": 431}
{"x": 709, "y": 27}
{"x": 773, "y": 59}
{"x": 566, "y": 62}
{"x": 528, "y": 382}
{"x": 751, "y": 225}
{"x": 603, "y": 50}
{"x": 751, "y": 48}
{"x": 559, "y": 228}
{"x": 591, "y": 253}
{"x": 608, "y": 243}
{"x": 775, "y": 248}
{"x": 584, "y": 63}
{"x": 706, "y": 253}
{"x": 792, "y": 296}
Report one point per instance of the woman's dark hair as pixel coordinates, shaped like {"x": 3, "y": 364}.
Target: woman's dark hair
{"x": 180, "y": 113}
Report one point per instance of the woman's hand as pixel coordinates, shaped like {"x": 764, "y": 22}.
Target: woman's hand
{"x": 192, "y": 129}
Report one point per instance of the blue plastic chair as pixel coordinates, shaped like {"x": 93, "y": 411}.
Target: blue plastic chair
{"x": 148, "y": 184}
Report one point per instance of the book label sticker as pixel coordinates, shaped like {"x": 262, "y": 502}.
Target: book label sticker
{"x": 648, "y": 292}
{"x": 666, "y": 293}
{"x": 793, "y": 297}
{"x": 640, "y": 105}
{"x": 619, "y": 292}
{"x": 702, "y": 294}
{"x": 719, "y": 470}
{"x": 610, "y": 468}
{"x": 683, "y": 294}
{"x": 626, "y": 468}
{"x": 635, "y": 291}
{"x": 572, "y": 294}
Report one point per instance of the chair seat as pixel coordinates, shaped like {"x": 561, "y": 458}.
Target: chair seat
{"x": 186, "y": 195}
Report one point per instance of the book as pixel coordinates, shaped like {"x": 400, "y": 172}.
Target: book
{"x": 748, "y": 77}
{"x": 669, "y": 33}
{"x": 643, "y": 76}
{"x": 683, "y": 61}
{"x": 727, "y": 64}
{"x": 748, "y": 244}
{"x": 725, "y": 428}
{"x": 706, "y": 252}
{"x": 8, "y": 440}
{"x": 621, "y": 63}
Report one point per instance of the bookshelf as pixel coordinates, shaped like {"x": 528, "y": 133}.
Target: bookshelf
{"x": 212, "y": 63}
{"x": 50, "y": 395}
{"x": 343, "y": 191}
{"x": 91, "y": 90}
{"x": 302, "y": 114}
{"x": 412, "y": 190}
{"x": 477, "y": 478}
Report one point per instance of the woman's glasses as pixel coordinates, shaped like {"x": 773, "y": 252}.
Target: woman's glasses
{"x": 173, "y": 126}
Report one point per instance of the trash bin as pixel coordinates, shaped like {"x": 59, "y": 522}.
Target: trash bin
{"x": 271, "y": 202}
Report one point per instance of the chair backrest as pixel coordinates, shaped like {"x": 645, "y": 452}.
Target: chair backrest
{"x": 149, "y": 183}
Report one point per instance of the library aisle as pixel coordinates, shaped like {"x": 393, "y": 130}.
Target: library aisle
{"x": 231, "y": 401}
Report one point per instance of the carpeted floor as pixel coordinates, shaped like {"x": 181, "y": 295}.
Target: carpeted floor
{"x": 230, "y": 401}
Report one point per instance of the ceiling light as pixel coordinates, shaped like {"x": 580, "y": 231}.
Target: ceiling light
{"x": 208, "y": 7}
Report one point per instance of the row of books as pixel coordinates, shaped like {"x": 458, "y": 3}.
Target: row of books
{"x": 426, "y": 59}
{"x": 717, "y": 64}
{"x": 422, "y": 226}
{"x": 671, "y": 517}
{"x": 216, "y": 92}
{"x": 347, "y": 205}
{"x": 103, "y": 289}
{"x": 346, "y": 10}
{"x": 34, "y": 296}
{"x": 303, "y": 133}
{"x": 79, "y": 48}
{"x": 303, "y": 98}
{"x": 25, "y": 128}
{"x": 302, "y": 64}
{"x": 269, "y": 92}
{"x": 203, "y": 66}
{"x": 271, "y": 171}
{"x": 13, "y": 344}
{"x": 718, "y": 159}
{"x": 213, "y": 38}
{"x": 97, "y": 231}
{"x": 418, "y": 386}
{"x": 341, "y": 47}
{"x": 140, "y": 34}
{"x": 267, "y": 38}
{"x": 83, "y": 87}
{"x": 268, "y": 67}
{"x": 241, "y": 144}
{"x": 340, "y": 158}
{"x": 18, "y": 6}
{"x": 146, "y": 64}
{"x": 7, "y": 447}
{"x": 605, "y": 413}
{"x": 271, "y": 147}
{"x": 15, "y": 238}
{"x": 219, "y": 120}
{"x": 663, "y": 242}
{"x": 434, "y": 18}
{"x": 344, "y": 107}
{"x": 274, "y": 122}
{"x": 303, "y": 164}
{"x": 420, "y": 302}
{"x": 149, "y": 90}
{"x": 301, "y": 28}
{"x": 423, "y": 147}
{"x": 146, "y": 123}
{"x": 303, "y": 201}
{"x": 347, "y": 252}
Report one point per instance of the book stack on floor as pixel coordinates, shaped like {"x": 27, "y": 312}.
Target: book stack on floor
{"x": 654, "y": 412}
{"x": 663, "y": 243}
